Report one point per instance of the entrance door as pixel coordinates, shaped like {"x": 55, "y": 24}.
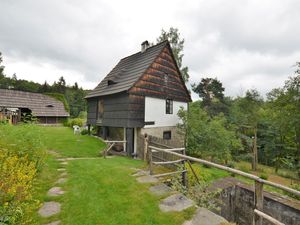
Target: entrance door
{"x": 130, "y": 141}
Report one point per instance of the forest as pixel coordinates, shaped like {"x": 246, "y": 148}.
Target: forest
{"x": 247, "y": 128}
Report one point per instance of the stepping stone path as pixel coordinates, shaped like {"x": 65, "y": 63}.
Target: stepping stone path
{"x": 61, "y": 181}
{"x": 176, "y": 202}
{"x": 205, "y": 217}
{"x": 55, "y": 191}
{"x": 64, "y": 174}
{"x": 160, "y": 189}
{"x": 147, "y": 179}
{"x": 49, "y": 209}
{"x": 54, "y": 223}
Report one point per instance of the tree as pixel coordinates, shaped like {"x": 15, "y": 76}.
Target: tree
{"x": 177, "y": 45}
{"x": 284, "y": 107}
{"x": 245, "y": 114}
{"x": 1, "y": 68}
{"x": 207, "y": 137}
{"x": 211, "y": 93}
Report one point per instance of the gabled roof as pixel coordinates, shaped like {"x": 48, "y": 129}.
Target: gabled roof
{"x": 127, "y": 72}
{"x": 39, "y": 104}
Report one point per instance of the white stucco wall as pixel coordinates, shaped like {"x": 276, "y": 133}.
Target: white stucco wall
{"x": 155, "y": 110}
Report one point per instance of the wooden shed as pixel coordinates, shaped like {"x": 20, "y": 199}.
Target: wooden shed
{"x": 14, "y": 104}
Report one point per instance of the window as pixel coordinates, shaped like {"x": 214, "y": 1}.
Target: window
{"x": 169, "y": 106}
{"x": 167, "y": 135}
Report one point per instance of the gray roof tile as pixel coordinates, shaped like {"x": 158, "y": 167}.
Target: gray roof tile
{"x": 37, "y": 103}
{"x": 127, "y": 71}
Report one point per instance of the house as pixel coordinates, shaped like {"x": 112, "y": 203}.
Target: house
{"x": 141, "y": 94}
{"x": 15, "y": 104}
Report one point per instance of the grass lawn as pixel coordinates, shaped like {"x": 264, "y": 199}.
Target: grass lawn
{"x": 63, "y": 141}
{"x": 98, "y": 191}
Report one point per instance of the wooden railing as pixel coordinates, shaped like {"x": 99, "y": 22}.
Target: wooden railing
{"x": 258, "y": 183}
{"x": 110, "y": 146}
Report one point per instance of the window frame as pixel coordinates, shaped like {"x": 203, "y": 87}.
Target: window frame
{"x": 169, "y": 106}
{"x": 167, "y": 135}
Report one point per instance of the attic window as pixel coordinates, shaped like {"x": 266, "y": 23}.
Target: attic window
{"x": 49, "y": 106}
{"x": 111, "y": 82}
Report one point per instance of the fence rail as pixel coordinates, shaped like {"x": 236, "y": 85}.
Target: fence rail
{"x": 110, "y": 146}
{"x": 258, "y": 182}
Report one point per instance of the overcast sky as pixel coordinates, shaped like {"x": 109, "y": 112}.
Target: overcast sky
{"x": 245, "y": 44}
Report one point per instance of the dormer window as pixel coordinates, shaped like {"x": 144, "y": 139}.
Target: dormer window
{"x": 50, "y": 106}
{"x": 111, "y": 82}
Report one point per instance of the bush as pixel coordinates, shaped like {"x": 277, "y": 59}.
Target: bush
{"x": 75, "y": 121}
{"x": 21, "y": 156}
{"x": 17, "y": 175}
{"x": 84, "y": 132}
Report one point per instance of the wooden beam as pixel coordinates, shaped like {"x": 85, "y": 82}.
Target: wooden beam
{"x": 231, "y": 170}
{"x": 267, "y": 217}
{"x": 170, "y": 173}
{"x": 169, "y": 162}
{"x": 193, "y": 171}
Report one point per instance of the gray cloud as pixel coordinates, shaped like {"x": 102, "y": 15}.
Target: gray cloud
{"x": 244, "y": 43}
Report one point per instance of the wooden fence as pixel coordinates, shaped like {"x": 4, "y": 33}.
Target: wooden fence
{"x": 258, "y": 182}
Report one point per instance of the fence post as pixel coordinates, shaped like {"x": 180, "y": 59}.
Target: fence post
{"x": 150, "y": 161}
{"x": 258, "y": 202}
{"x": 184, "y": 177}
{"x": 146, "y": 143}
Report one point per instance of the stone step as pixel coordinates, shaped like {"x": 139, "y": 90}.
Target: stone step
{"x": 49, "y": 209}
{"x": 160, "y": 189}
{"x": 176, "y": 202}
{"x": 55, "y": 191}
{"x": 147, "y": 179}
{"x": 205, "y": 217}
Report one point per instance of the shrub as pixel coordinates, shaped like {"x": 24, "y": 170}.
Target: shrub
{"x": 75, "y": 121}
{"x": 84, "y": 132}
{"x": 17, "y": 175}
{"x": 22, "y": 154}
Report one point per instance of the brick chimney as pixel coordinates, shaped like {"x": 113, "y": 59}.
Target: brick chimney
{"x": 144, "y": 46}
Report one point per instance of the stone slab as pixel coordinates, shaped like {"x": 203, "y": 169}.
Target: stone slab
{"x": 176, "y": 202}
{"x": 55, "y": 191}
{"x": 61, "y": 159}
{"x": 205, "y": 217}
{"x": 147, "y": 179}
{"x": 160, "y": 189}
{"x": 54, "y": 223}
{"x": 64, "y": 163}
{"x": 61, "y": 180}
{"x": 61, "y": 169}
{"x": 49, "y": 209}
{"x": 64, "y": 174}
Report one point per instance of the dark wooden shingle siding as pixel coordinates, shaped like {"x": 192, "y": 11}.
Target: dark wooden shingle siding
{"x": 120, "y": 110}
{"x": 153, "y": 83}
{"x": 92, "y": 110}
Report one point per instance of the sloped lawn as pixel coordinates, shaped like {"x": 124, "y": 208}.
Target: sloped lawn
{"x": 63, "y": 141}
{"x": 98, "y": 191}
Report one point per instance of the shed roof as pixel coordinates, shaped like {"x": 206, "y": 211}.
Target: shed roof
{"x": 39, "y": 104}
{"x": 129, "y": 69}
